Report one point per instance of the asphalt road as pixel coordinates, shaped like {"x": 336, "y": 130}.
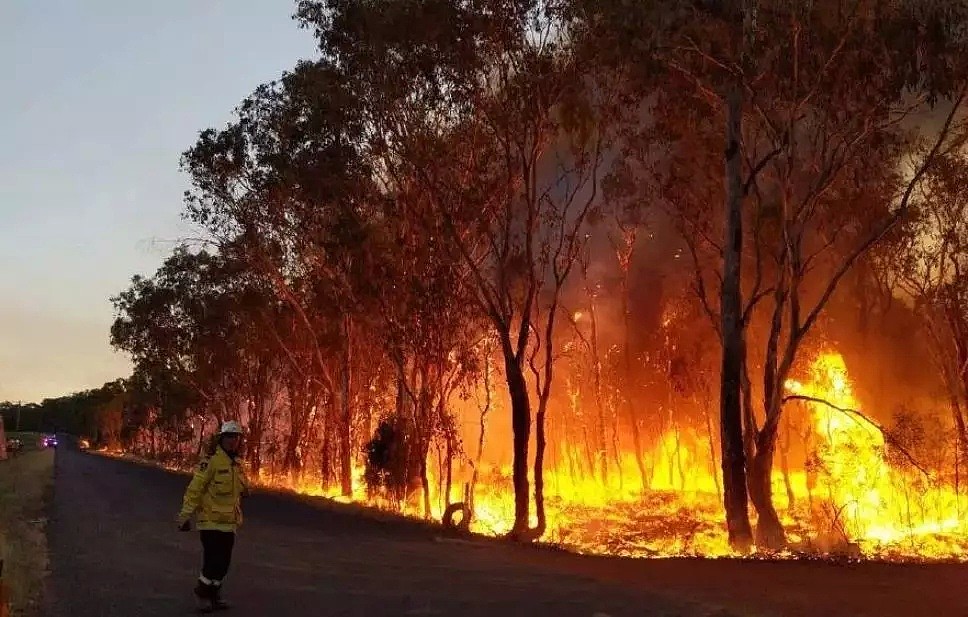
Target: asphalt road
{"x": 115, "y": 552}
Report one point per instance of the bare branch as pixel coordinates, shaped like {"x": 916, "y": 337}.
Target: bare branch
{"x": 858, "y": 417}
{"x": 902, "y": 208}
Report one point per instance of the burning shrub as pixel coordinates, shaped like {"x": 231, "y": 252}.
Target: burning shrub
{"x": 920, "y": 442}
{"x": 392, "y": 460}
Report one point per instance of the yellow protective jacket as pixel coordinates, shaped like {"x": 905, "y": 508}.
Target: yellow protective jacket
{"x": 215, "y": 493}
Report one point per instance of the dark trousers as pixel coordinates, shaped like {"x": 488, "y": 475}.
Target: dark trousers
{"x": 216, "y": 554}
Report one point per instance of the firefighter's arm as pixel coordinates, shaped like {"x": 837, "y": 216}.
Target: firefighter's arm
{"x": 245, "y": 481}
{"x": 193, "y": 494}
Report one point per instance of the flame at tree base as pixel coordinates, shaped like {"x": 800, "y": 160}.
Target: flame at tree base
{"x": 855, "y": 497}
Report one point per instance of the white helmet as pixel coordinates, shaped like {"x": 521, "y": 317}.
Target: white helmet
{"x": 230, "y": 428}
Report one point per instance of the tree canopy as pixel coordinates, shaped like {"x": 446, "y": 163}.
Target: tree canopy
{"x": 592, "y": 200}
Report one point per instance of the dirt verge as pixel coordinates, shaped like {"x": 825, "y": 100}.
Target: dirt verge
{"x": 25, "y": 484}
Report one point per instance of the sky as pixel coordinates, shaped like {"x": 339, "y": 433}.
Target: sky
{"x": 98, "y": 99}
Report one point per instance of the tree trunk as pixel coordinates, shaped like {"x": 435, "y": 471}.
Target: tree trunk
{"x": 255, "y": 436}
{"x": 449, "y": 471}
{"x": 958, "y": 482}
{"x": 644, "y": 474}
{"x": 255, "y": 457}
{"x": 290, "y": 463}
{"x": 809, "y": 465}
{"x": 521, "y": 427}
{"x": 544, "y": 394}
{"x": 443, "y": 499}
{"x": 712, "y": 447}
{"x": 425, "y": 482}
{"x": 326, "y": 459}
{"x": 959, "y": 419}
{"x": 678, "y": 457}
{"x": 602, "y": 440}
{"x": 201, "y": 438}
{"x": 589, "y": 452}
{"x": 483, "y": 426}
{"x": 617, "y": 450}
{"x": 346, "y": 424}
{"x": 733, "y": 457}
{"x": 769, "y": 529}
{"x": 785, "y": 465}
{"x": 540, "y": 443}
{"x": 749, "y": 412}
{"x": 626, "y": 262}
{"x": 299, "y": 411}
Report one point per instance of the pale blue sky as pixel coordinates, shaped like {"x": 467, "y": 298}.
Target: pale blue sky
{"x": 98, "y": 98}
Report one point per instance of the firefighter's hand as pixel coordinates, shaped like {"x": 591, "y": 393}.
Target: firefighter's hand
{"x": 186, "y": 525}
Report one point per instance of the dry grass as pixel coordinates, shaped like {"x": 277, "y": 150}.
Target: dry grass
{"x": 24, "y": 483}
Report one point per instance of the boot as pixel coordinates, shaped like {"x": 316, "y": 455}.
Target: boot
{"x": 204, "y": 592}
{"x": 217, "y": 603}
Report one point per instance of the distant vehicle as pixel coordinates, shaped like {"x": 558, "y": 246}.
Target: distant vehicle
{"x": 49, "y": 441}
{"x": 83, "y": 444}
{"x": 14, "y": 445}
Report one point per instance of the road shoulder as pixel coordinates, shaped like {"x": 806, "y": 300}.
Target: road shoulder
{"x": 25, "y": 484}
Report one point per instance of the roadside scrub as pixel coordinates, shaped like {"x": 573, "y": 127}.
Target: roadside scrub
{"x": 24, "y": 482}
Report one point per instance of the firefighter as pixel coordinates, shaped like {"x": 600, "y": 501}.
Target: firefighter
{"x": 214, "y": 498}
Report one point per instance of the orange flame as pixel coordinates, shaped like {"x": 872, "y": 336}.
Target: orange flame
{"x": 857, "y": 496}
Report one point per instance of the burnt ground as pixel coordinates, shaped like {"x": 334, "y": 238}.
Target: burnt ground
{"x": 115, "y": 552}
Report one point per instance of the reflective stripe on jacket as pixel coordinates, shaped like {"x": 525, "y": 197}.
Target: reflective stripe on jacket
{"x": 214, "y": 494}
